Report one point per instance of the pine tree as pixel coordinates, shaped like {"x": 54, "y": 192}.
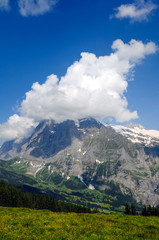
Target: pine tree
{"x": 127, "y": 209}
{"x": 133, "y": 209}
{"x": 144, "y": 211}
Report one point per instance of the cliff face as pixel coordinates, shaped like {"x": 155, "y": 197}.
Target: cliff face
{"x": 96, "y": 154}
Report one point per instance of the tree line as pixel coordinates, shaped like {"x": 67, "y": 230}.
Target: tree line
{"x": 146, "y": 210}
{"x": 150, "y": 211}
{"x": 11, "y": 196}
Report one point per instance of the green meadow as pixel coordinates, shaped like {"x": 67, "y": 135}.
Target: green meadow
{"x": 23, "y": 223}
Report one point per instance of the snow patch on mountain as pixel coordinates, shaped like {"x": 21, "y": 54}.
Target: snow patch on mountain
{"x": 136, "y": 133}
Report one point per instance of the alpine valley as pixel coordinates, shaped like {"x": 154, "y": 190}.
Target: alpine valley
{"x": 86, "y": 162}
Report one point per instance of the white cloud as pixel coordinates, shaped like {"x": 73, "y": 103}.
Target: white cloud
{"x": 35, "y": 7}
{"x": 4, "y": 5}
{"x": 134, "y": 51}
{"x": 93, "y": 86}
{"x": 137, "y": 11}
{"x": 16, "y": 126}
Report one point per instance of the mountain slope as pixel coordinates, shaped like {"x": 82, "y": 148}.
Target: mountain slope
{"x": 138, "y": 134}
{"x": 84, "y": 159}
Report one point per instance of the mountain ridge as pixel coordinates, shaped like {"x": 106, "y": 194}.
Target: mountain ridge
{"x": 138, "y": 134}
{"x": 90, "y": 156}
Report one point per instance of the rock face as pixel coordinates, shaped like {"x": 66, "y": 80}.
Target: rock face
{"x": 98, "y": 155}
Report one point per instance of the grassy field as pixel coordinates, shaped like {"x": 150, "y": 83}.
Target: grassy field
{"x": 20, "y": 223}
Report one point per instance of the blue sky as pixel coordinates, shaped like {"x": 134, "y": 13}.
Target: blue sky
{"x": 38, "y": 41}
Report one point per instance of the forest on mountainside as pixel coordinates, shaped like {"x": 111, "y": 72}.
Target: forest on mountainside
{"x": 11, "y": 196}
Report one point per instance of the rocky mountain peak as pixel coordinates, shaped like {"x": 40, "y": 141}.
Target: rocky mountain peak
{"x": 96, "y": 155}
{"x": 136, "y": 133}
{"x": 49, "y": 138}
{"x": 89, "y": 123}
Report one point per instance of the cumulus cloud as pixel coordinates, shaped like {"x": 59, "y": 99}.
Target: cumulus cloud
{"x": 93, "y": 86}
{"x": 16, "y": 126}
{"x": 4, "y": 5}
{"x": 35, "y": 7}
{"x": 137, "y": 11}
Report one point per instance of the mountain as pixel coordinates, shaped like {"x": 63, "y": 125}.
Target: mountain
{"x": 138, "y": 134}
{"x": 88, "y": 162}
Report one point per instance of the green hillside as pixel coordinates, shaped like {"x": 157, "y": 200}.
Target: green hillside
{"x": 21, "y": 223}
{"x": 70, "y": 190}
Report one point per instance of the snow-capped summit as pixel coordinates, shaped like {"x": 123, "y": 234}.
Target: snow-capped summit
{"x": 136, "y": 133}
{"x": 134, "y": 125}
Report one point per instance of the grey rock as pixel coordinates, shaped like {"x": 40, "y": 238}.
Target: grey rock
{"x": 94, "y": 153}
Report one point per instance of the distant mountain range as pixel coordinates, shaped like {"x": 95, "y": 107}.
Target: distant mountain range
{"x": 86, "y": 162}
{"x": 138, "y": 134}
